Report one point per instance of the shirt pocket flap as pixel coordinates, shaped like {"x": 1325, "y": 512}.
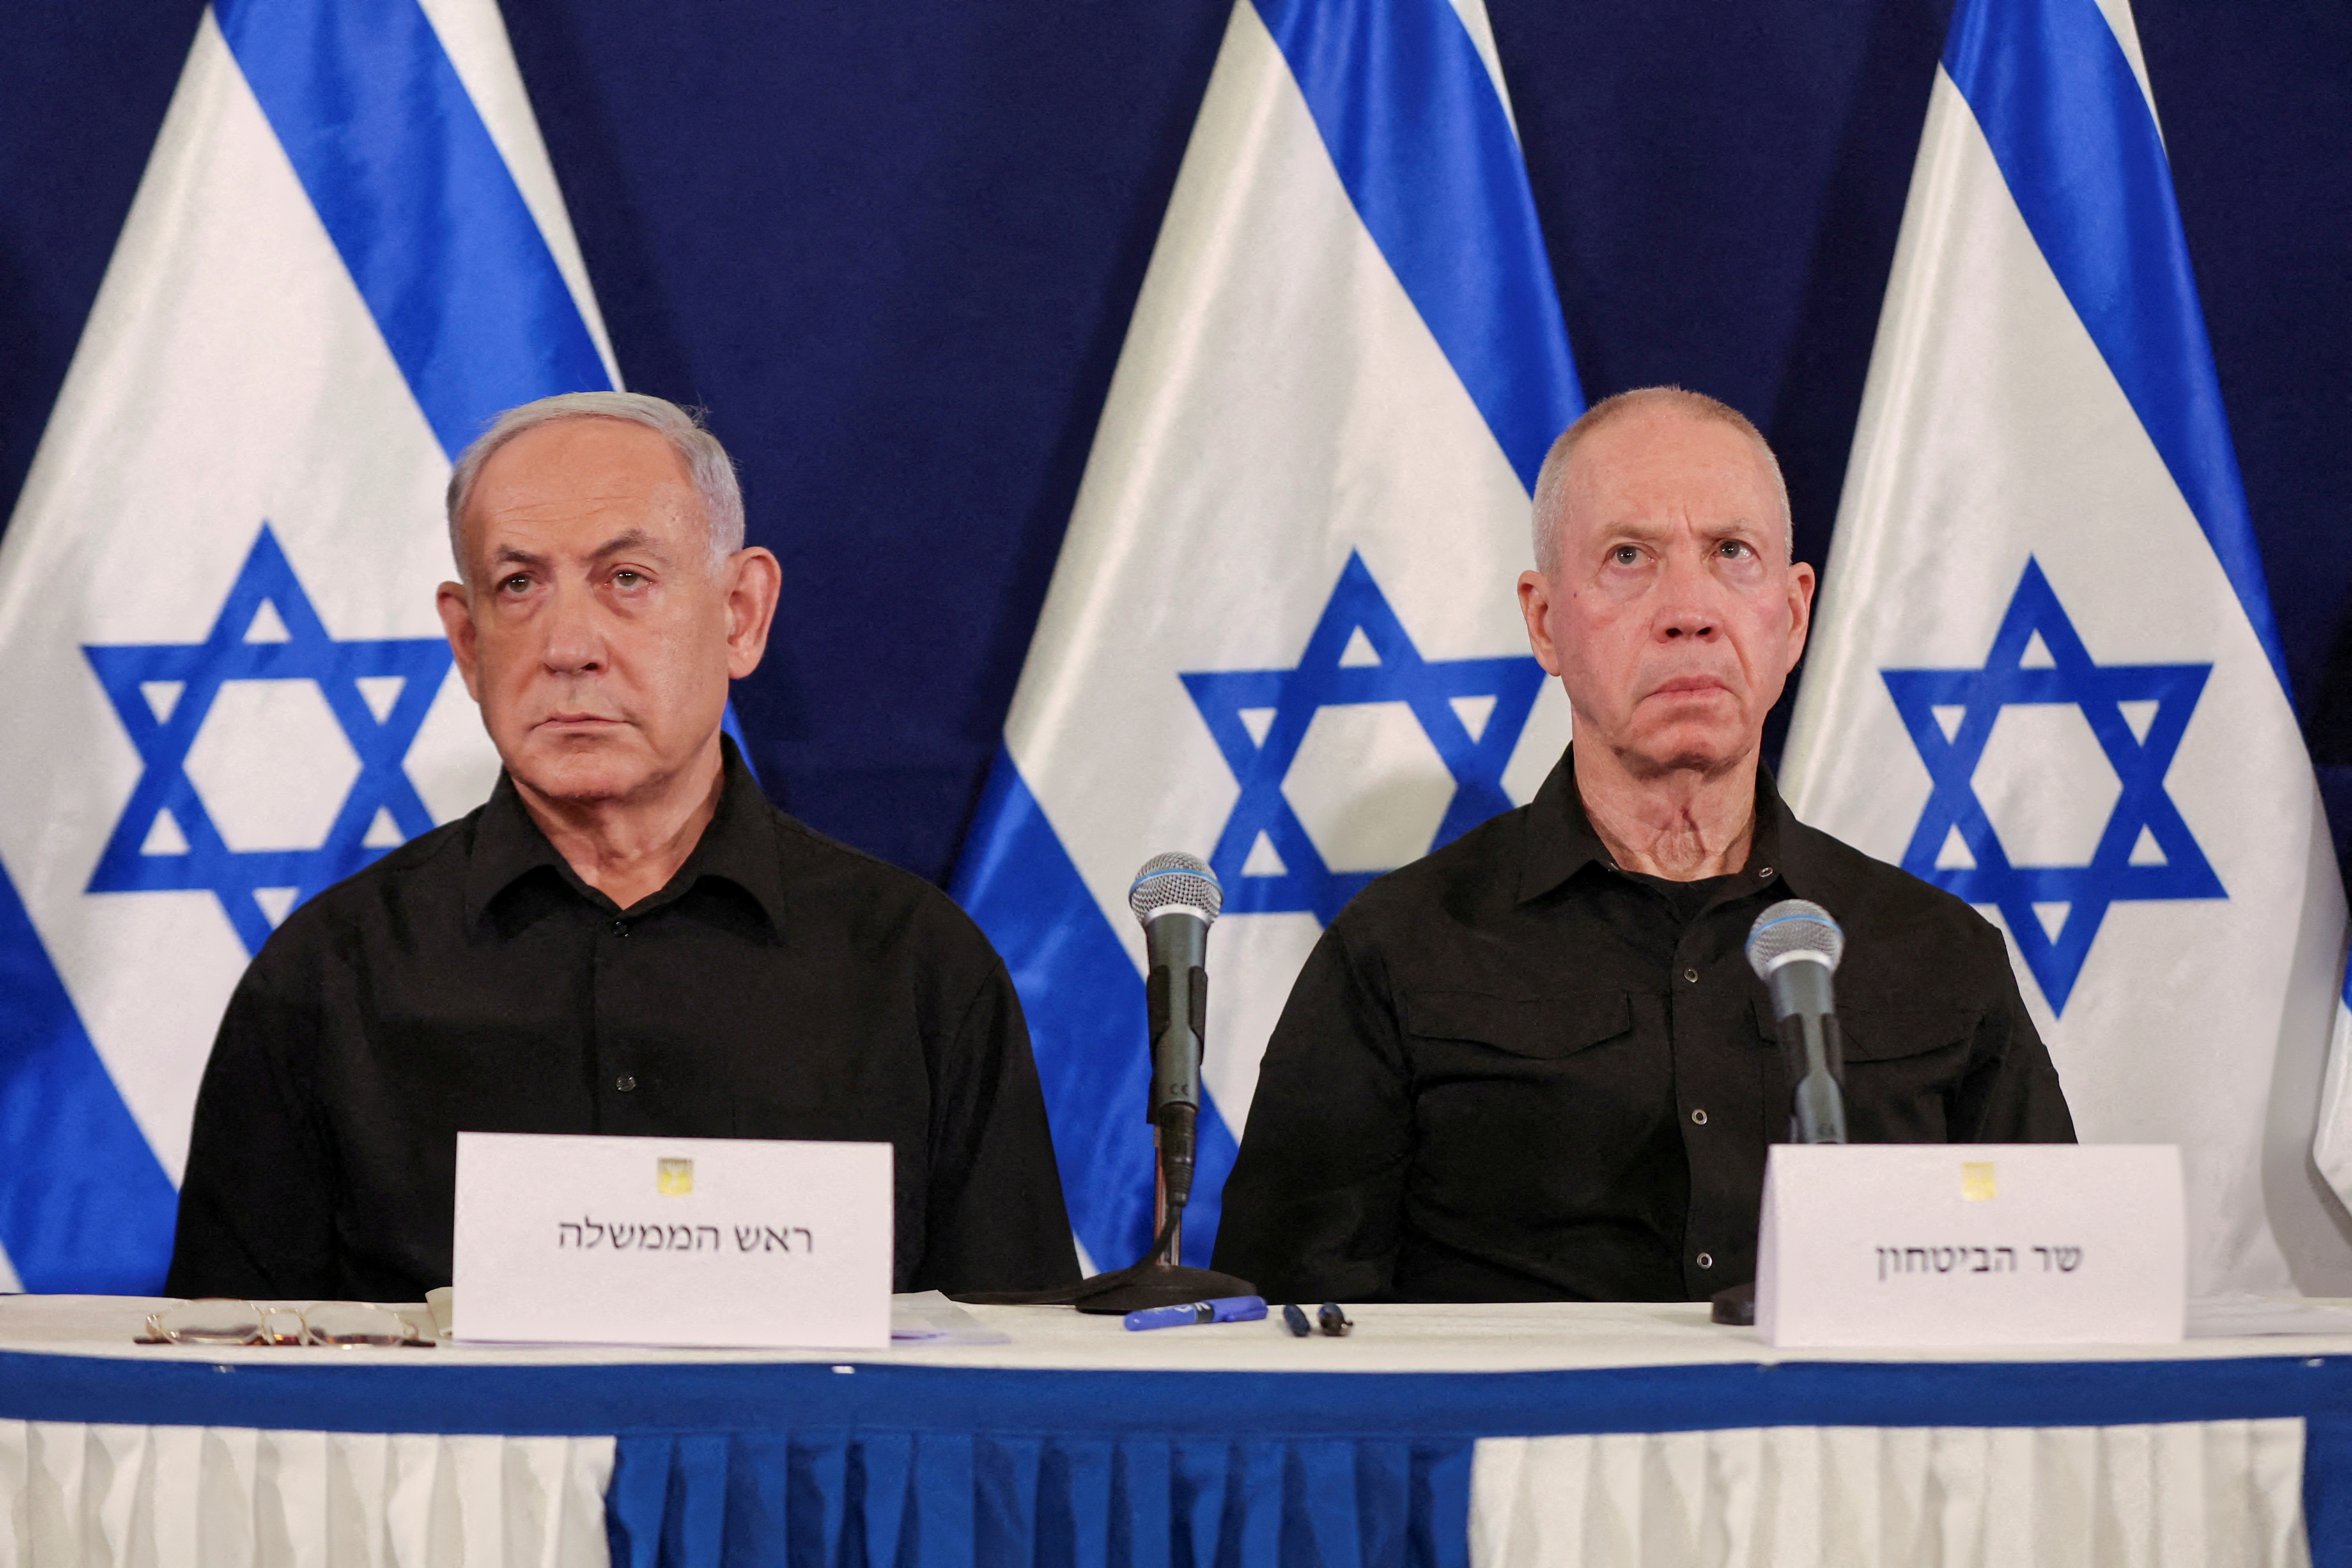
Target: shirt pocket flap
{"x": 1887, "y": 1034}
{"x": 1525, "y": 1027}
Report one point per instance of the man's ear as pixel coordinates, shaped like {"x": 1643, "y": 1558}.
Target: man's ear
{"x": 1801, "y": 582}
{"x": 755, "y": 580}
{"x": 1534, "y": 608}
{"x": 457, "y": 623}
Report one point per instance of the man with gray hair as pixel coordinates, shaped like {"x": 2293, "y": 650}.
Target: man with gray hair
{"x": 1535, "y": 1063}
{"x": 626, "y": 938}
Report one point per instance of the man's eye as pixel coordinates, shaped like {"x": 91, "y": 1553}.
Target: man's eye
{"x": 1625, "y": 555}
{"x": 517, "y": 583}
{"x": 1736, "y": 549}
{"x": 626, "y": 578}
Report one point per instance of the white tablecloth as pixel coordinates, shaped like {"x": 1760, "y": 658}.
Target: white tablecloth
{"x": 2215, "y": 1494}
{"x": 85, "y": 1494}
{"x": 2211, "y": 1492}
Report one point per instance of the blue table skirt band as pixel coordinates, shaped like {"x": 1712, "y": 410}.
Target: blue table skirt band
{"x": 934, "y": 1500}
{"x": 891, "y": 1464}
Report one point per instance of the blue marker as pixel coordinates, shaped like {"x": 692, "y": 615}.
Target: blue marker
{"x": 1223, "y": 1310}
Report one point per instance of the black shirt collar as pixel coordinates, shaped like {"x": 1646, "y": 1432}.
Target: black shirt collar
{"x": 1560, "y": 841}
{"x": 737, "y": 846}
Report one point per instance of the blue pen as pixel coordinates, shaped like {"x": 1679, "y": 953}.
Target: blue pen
{"x": 1223, "y": 1310}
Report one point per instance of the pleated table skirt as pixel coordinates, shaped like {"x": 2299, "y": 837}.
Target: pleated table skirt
{"x": 2212, "y": 1494}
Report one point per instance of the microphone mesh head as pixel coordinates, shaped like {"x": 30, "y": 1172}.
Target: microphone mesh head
{"x": 1175, "y": 880}
{"x": 1794, "y": 925}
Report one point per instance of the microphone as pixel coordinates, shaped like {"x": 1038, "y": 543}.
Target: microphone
{"x": 1176, "y": 897}
{"x": 1794, "y": 947}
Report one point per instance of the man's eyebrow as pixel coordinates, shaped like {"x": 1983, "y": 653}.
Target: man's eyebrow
{"x": 635, "y": 539}
{"x": 1638, "y": 527}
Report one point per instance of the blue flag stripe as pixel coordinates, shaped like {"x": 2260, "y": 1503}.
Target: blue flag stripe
{"x": 1084, "y": 1000}
{"x": 1423, "y": 143}
{"x": 83, "y": 1203}
{"x": 2051, "y": 86}
{"x": 419, "y": 204}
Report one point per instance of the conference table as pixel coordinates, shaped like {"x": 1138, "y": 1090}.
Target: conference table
{"x": 1447, "y": 1435}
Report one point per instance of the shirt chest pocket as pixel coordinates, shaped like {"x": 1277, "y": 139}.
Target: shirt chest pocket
{"x": 1507, "y": 1090}
{"x": 1472, "y": 1033}
{"x": 1902, "y": 1067}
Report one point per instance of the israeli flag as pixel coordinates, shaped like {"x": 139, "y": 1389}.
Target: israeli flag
{"x": 2044, "y": 674}
{"x": 225, "y": 685}
{"x": 2331, "y": 1147}
{"x": 1282, "y": 634}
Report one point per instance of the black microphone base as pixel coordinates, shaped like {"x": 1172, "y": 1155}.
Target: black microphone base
{"x": 1163, "y": 1286}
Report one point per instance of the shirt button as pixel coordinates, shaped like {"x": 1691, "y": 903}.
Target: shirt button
{"x": 625, "y": 1083}
{"x": 1765, "y": 875}
{"x": 1699, "y": 1116}
{"x": 1705, "y": 1260}
{"x": 1691, "y": 975}
{"x": 619, "y": 928}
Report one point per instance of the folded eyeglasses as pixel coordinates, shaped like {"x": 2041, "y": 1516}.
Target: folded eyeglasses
{"x": 224, "y": 1321}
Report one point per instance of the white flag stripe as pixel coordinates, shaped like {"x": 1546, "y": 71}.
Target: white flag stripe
{"x": 2331, "y": 1143}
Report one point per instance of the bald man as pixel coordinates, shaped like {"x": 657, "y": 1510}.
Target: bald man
{"x": 1535, "y": 1065}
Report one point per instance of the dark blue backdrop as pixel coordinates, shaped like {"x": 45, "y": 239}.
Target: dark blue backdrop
{"x": 893, "y": 250}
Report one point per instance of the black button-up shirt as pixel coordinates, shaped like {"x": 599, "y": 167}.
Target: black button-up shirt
{"x": 781, "y": 986}
{"x": 1511, "y": 1071}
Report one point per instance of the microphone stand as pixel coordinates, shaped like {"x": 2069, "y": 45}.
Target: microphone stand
{"x": 1167, "y": 883}
{"x": 1159, "y": 1280}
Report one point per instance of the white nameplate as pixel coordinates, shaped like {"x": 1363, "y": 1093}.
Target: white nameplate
{"x": 672, "y": 1241}
{"x": 1971, "y": 1243}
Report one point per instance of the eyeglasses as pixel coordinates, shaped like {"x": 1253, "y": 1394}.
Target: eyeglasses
{"x": 1328, "y": 1318}
{"x": 224, "y": 1321}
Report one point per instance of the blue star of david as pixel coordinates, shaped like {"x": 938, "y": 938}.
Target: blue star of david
{"x": 187, "y": 676}
{"x": 2116, "y": 872}
{"x": 1320, "y": 680}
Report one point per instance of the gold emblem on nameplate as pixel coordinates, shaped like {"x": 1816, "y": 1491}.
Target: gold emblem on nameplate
{"x": 675, "y": 1178}
{"x": 1976, "y": 1181}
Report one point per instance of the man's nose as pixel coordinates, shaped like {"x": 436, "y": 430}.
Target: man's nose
{"x": 575, "y": 644}
{"x": 1687, "y": 604}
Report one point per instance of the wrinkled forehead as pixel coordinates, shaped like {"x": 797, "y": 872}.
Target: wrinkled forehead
{"x": 1666, "y": 466}
{"x": 584, "y": 477}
